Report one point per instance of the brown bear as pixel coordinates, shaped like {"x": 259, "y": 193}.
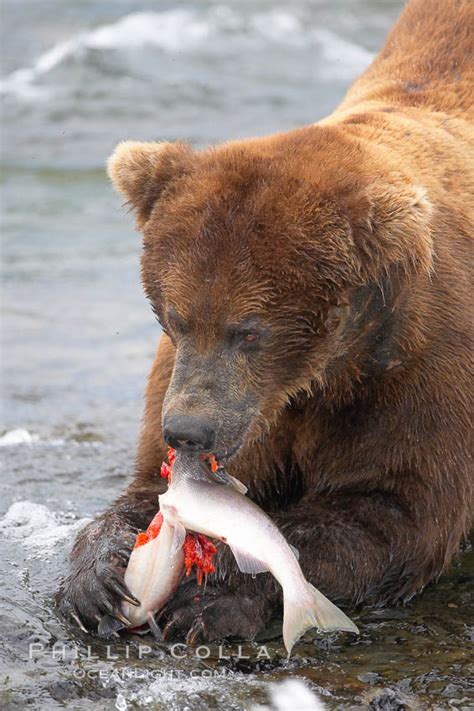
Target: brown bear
{"x": 313, "y": 288}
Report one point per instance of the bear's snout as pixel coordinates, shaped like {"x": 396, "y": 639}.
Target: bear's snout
{"x": 190, "y": 434}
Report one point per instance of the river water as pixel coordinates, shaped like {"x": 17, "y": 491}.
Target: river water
{"x": 78, "y": 338}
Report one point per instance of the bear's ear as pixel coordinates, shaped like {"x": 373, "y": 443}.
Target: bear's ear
{"x": 141, "y": 171}
{"x": 391, "y": 225}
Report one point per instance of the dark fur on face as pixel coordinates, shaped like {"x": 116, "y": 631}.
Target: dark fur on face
{"x": 250, "y": 333}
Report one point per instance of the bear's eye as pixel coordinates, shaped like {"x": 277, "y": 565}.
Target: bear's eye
{"x": 245, "y": 339}
{"x": 175, "y": 323}
{"x": 248, "y": 335}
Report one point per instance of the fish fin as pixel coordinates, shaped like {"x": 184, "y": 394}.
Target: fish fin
{"x": 248, "y": 563}
{"x": 109, "y": 626}
{"x": 230, "y": 480}
{"x": 295, "y": 551}
{"x": 237, "y": 484}
{"x": 179, "y": 534}
{"x": 314, "y": 610}
{"x": 157, "y": 633}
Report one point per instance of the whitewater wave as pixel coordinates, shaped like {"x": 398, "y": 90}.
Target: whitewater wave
{"x": 20, "y": 436}
{"x": 291, "y": 694}
{"x": 38, "y": 528}
{"x": 172, "y": 693}
{"x": 187, "y": 30}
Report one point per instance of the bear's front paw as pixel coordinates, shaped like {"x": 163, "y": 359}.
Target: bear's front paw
{"x": 215, "y": 615}
{"x": 95, "y": 586}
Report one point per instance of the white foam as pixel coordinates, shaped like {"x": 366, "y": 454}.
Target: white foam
{"x": 172, "y": 31}
{"x": 341, "y": 54}
{"x": 22, "y": 436}
{"x": 18, "y": 436}
{"x": 38, "y": 528}
{"x": 279, "y": 26}
{"x": 175, "y": 690}
{"x": 185, "y": 30}
{"x": 291, "y": 694}
{"x": 121, "y": 703}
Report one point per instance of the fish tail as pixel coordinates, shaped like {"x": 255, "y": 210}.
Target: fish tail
{"x": 312, "y": 610}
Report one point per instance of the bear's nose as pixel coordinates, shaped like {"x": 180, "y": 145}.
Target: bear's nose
{"x": 188, "y": 433}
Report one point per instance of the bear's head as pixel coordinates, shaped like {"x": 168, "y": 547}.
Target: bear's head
{"x": 265, "y": 262}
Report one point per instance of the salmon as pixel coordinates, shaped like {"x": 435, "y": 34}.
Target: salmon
{"x": 196, "y": 502}
{"x": 152, "y": 575}
{"x": 155, "y": 567}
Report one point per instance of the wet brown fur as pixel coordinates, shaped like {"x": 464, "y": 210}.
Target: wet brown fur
{"x": 351, "y": 239}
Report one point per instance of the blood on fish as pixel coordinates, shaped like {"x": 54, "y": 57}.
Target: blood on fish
{"x": 165, "y": 470}
{"x": 142, "y": 538}
{"x": 151, "y": 532}
{"x": 198, "y": 549}
{"x": 166, "y": 467}
{"x": 155, "y": 526}
{"x": 198, "y": 552}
